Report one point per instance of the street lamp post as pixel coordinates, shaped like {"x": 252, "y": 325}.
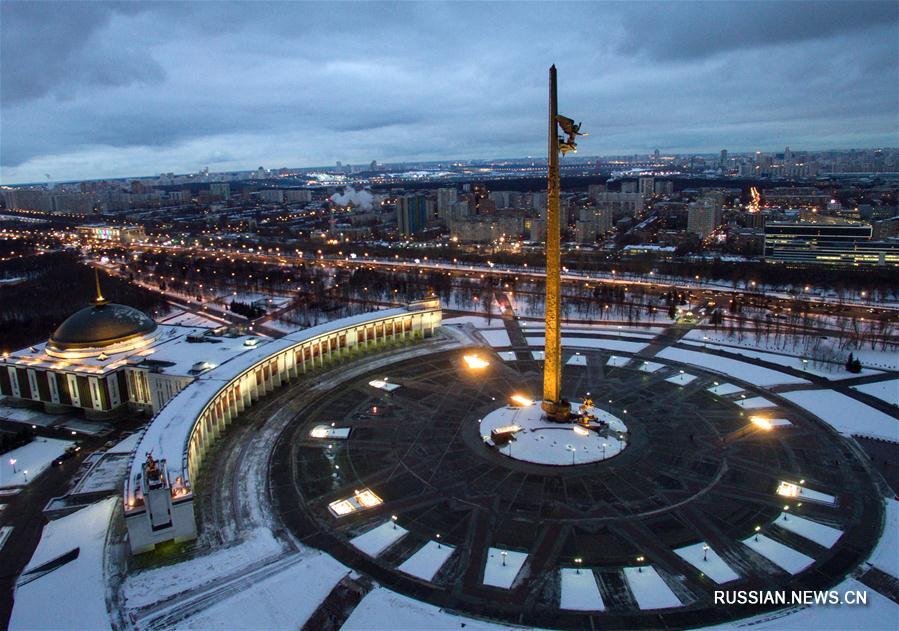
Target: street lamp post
{"x": 705, "y": 553}
{"x": 757, "y": 528}
{"x": 578, "y": 561}
{"x": 640, "y": 560}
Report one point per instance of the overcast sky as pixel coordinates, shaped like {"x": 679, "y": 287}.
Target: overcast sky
{"x": 92, "y": 90}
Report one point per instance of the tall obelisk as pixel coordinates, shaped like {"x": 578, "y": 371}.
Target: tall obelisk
{"x": 552, "y": 366}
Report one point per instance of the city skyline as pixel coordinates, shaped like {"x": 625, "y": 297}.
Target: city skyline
{"x": 98, "y": 93}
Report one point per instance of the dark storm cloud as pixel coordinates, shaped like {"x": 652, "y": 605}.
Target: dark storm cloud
{"x": 95, "y": 89}
{"x": 694, "y": 30}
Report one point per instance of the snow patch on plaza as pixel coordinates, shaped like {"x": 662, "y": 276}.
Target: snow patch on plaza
{"x": 786, "y": 557}
{"x": 708, "y": 562}
{"x": 502, "y": 567}
{"x": 425, "y": 563}
{"x": 580, "y": 591}
{"x": 379, "y": 538}
{"x": 649, "y": 589}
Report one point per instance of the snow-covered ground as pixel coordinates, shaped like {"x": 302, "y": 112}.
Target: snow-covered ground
{"x": 650, "y": 367}
{"x": 186, "y": 318}
{"x": 885, "y": 390}
{"x": 542, "y": 441}
{"x": 497, "y": 338}
{"x": 786, "y": 557}
{"x": 577, "y": 360}
{"x": 755, "y": 403}
{"x": 384, "y": 610}
{"x": 149, "y": 586}
{"x": 72, "y": 596}
{"x": 30, "y": 460}
{"x": 878, "y": 614}
{"x": 478, "y": 322}
{"x": 821, "y": 534}
{"x": 580, "y": 591}
{"x": 507, "y": 356}
{"x": 538, "y": 355}
{"x": 649, "y": 589}
{"x": 845, "y": 414}
{"x": 708, "y": 562}
{"x": 427, "y": 561}
{"x": 681, "y": 379}
{"x": 886, "y": 555}
{"x": 587, "y": 342}
{"x": 502, "y": 567}
{"x": 732, "y": 367}
{"x": 829, "y": 370}
{"x": 379, "y": 538}
{"x": 725, "y": 389}
{"x": 618, "y": 362}
{"x": 787, "y": 348}
{"x": 274, "y": 602}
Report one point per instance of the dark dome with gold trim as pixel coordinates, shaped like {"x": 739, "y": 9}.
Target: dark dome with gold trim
{"x": 101, "y": 325}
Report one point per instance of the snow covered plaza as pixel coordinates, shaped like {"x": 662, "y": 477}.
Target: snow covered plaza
{"x": 367, "y": 487}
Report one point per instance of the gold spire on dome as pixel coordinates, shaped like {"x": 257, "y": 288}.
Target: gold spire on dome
{"x": 99, "y": 300}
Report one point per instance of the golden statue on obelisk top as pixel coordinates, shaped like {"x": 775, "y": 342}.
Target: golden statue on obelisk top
{"x": 553, "y": 404}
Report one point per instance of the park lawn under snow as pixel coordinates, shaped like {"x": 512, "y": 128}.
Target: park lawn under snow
{"x": 588, "y": 342}
{"x": 708, "y": 562}
{"x": 496, "y": 338}
{"x": 845, "y": 414}
{"x": 577, "y": 360}
{"x": 499, "y": 575}
{"x": 507, "y": 356}
{"x": 379, "y": 538}
{"x": 732, "y": 367}
{"x": 650, "y": 367}
{"x": 427, "y": 561}
{"x": 580, "y": 591}
{"x": 821, "y": 534}
{"x": 649, "y": 589}
{"x": 72, "y": 596}
{"x": 828, "y": 370}
{"x": 34, "y": 458}
{"x": 384, "y": 610}
{"x": 786, "y": 557}
{"x": 274, "y": 602}
{"x": 884, "y": 390}
{"x": 618, "y": 362}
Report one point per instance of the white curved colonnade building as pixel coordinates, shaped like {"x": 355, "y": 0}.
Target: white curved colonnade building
{"x": 158, "y": 494}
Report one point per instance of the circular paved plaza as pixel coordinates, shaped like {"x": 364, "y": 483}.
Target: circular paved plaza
{"x": 415, "y": 499}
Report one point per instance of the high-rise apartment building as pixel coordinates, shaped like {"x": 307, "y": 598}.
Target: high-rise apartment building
{"x": 411, "y": 214}
{"x": 704, "y": 215}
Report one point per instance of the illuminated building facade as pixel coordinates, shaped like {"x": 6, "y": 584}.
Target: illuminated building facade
{"x": 827, "y": 244}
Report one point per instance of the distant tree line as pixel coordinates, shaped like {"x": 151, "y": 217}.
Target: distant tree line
{"x": 57, "y": 285}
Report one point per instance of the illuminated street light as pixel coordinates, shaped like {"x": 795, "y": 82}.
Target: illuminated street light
{"x": 757, "y": 528}
{"x": 640, "y": 559}
{"x": 705, "y": 553}
{"x": 578, "y": 561}
{"x": 503, "y": 554}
